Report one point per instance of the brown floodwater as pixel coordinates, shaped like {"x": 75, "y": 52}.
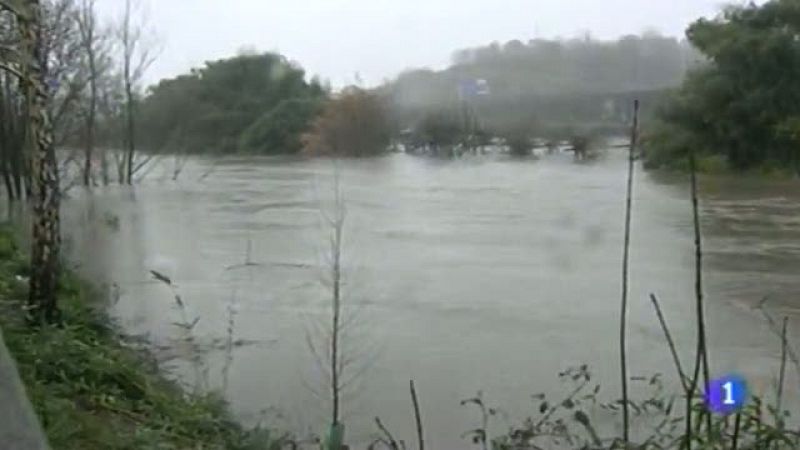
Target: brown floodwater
{"x": 481, "y": 274}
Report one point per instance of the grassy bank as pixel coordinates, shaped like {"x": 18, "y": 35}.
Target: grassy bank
{"x": 92, "y": 391}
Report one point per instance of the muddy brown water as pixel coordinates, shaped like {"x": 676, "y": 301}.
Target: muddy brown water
{"x": 481, "y": 274}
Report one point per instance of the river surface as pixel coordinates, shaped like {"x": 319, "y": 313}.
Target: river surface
{"x": 481, "y": 274}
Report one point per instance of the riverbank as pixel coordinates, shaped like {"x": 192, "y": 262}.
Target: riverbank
{"x": 91, "y": 390}
{"x": 718, "y": 165}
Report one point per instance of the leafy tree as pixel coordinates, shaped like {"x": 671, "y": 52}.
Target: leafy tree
{"x": 229, "y": 106}
{"x": 354, "y": 123}
{"x": 279, "y": 130}
{"x": 745, "y": 105}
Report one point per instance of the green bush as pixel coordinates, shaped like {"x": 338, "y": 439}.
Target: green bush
{"x": 712, "y": 164}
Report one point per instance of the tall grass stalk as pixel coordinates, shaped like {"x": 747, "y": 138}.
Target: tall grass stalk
{"x": 337, "y": 225}
{"x": 625, "y": 274}
{"x": 701, "y": 355}
{"x": 417, "y": 416}
{"x": 782, "y": 373}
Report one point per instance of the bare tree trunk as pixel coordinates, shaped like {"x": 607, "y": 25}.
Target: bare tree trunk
{"x": 46, "y": 242}
{"x": 18, "y": 173}
{"x": 90, "y": 131}
{"x": 104, "y": 167}
{"x": 87, "y": 26}
{"x": 6, "y": 137}
{"x": 6, "y": 170}
{"x": 129, "y": 39}
{"x": 13, "y": 137}
{"x": 137, "y": 57}
{"x": 119, "y": 160}
{"x": 130, "y": 134}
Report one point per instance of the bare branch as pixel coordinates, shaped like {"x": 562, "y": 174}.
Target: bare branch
{"x": 390, "y": 441}
{"x": 11, "y": 70}
{"x": 17, "y": 7}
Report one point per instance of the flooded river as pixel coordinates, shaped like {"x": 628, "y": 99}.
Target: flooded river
{"x": 481, "y": 274}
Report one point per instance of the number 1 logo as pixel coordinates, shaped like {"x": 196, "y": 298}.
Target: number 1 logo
{"x": 728, "y": 388}
{"x": 727, "y": 394}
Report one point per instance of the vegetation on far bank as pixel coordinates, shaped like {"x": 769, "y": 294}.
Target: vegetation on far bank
{"x": 251, "y": 103}
{"x": 743, "y": 107}
{"x": 263, "y": 104}
{"x": 91, "y": 390}
{"x": 548, "y": 82}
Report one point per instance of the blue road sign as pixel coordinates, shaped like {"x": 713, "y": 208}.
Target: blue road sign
{"x": 473, "y": 88}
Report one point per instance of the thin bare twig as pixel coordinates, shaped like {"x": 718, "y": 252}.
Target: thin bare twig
{"x": 391, "y": 441}
{"x": 8, "y": 68}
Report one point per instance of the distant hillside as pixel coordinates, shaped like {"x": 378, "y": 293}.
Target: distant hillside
{"x": 548, "y": 81}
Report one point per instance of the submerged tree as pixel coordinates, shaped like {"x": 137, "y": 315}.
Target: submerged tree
{"x": 93, "y": 42}
{"x": 354, "y": 123}
{"x": 66, "y": 73}
{"x": 440, "y": 130}
{"x": 337, "y": 341}
{"x": 137, "y": 56}
{"x": 518, "y": 141}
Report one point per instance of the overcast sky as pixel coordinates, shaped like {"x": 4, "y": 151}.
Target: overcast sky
{"x": 377, "y": 39}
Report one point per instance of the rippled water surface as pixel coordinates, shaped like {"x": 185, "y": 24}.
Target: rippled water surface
{"x": 478, "y": 274}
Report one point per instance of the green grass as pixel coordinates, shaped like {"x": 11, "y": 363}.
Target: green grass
{"x": 91, "y": 391}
